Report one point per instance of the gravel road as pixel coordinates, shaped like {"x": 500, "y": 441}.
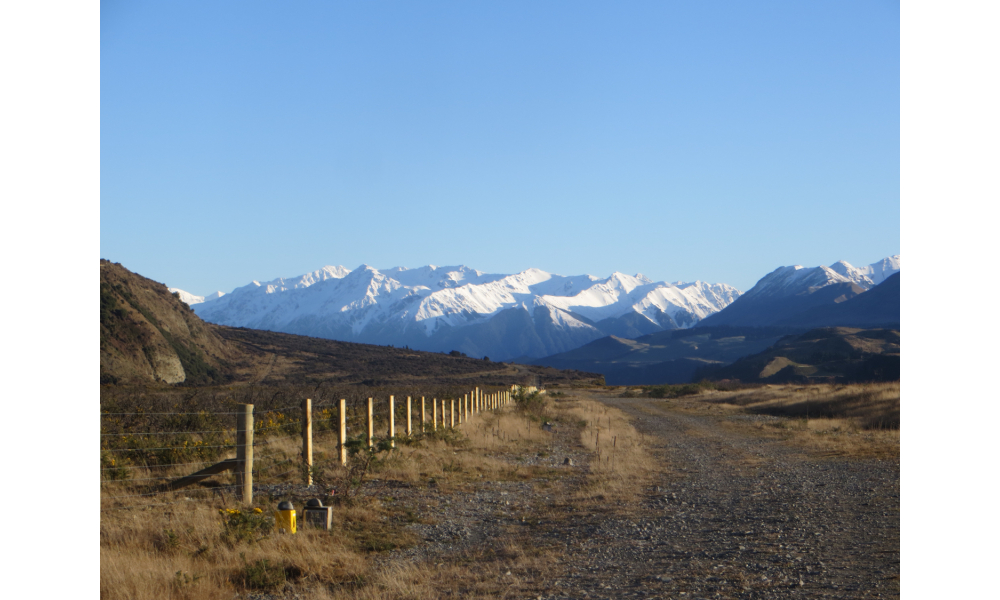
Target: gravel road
{"x": 738, "y": 516}
{"x": 727, "y": 515}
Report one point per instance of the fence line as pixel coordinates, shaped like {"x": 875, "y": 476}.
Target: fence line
{"x": 166, "y": 432}
{"x": 167, "y": 448}
{"x": 455, "y": 412}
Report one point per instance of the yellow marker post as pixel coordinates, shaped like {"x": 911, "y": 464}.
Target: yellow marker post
{"x": 285, "y": 517}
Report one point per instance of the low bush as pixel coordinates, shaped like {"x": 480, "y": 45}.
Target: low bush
{"x": 261, "y": 575}
{"x": 533, "y": 403}
{"x": 245, "y": 526}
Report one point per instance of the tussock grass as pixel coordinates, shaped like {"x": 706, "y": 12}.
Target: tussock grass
{"x": 619, "y": 462}
{"x": 868, "y": 406}
{"x": 177, "y": 546}
{"x": 861, "y": 420}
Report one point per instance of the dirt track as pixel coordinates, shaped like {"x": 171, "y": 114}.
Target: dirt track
{"x": 737, "y": 516}
{"x": 727, "y": 515}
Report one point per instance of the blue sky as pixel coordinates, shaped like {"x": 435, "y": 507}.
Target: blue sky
{"x": 709, "y": 140}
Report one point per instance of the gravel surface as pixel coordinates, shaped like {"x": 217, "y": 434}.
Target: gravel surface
{"x": 736, "y": 516}
{"x": 728, "y": 515}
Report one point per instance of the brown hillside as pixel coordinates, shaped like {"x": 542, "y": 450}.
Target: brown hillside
{"x": 148, "y": 334}
{"x": 834, "y": 354}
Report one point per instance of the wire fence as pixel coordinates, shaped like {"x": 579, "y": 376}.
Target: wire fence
{"x": 144, "y": 454}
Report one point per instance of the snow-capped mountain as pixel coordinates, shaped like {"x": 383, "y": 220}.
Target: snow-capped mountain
{"x": 532, "y": 313}
{"x": 871, "y": 275}
{"x": 788, "y": 291}
{"x": 190, "y": 299}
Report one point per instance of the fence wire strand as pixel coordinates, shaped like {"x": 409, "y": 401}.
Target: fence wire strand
{"x": 170, "y": 432}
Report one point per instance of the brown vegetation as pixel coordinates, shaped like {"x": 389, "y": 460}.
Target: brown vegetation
{"x": 843, "y": 420}
{"x": 184, "y": 545}
{"x": 148, "y": 334}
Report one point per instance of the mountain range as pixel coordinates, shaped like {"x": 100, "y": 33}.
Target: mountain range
{"x": 787, "y": 302}
{"x": 788, "y": 296}
{"x": 528, "y": 314}
{"x": 149, "y": 336}
{"x": 541, "y": 318}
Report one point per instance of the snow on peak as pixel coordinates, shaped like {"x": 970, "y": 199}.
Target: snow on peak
{"x": 786, "y": 280}
{"x": 870, "y": 275}
{"x": 335, "y": 302}
{"x": 190, "y": 299}
{"x": 884, "y": 269}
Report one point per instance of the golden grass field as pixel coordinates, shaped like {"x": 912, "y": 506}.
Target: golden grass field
{"x": 179, "y": 548}
{"x": 856, "y": 420}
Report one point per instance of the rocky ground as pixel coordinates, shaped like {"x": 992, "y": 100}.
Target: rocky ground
{"x": 726, "y": 514}
{"x": 734, "y": 516}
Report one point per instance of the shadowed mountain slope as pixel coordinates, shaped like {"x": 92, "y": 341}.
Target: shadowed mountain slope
{"x": 835, "y": 354}
{"x": 878, "y": 307}
{"x": 667, "y": 356}
{"x": 807, "y": 298}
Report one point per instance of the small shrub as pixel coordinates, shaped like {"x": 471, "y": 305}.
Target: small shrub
{"x": 169, "y": 542}
{"x": 261, "y": 575}
{"x": 112, "y": 468}
{"x": 183, "y": 580}
{"x": 529, "y": 403}
{"x": 245, "y": 526}
{"x": 676, "y": 391}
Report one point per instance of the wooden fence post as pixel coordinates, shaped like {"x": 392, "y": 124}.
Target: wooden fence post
{"x": 392, "y": 421}
{"x": 452, "y": 413}
{"x": 409, "y": 417}
{"x": 423, "y": 413}
{"x": 435, "y": 414}
{"x": 244, "y": 452}
{"x": 343, "y": 432}
{"x": 371, "y": 422}
{"x": 466, "y": 408}
{"x": 307, "y": 439}
{"x": 479, "y": 401}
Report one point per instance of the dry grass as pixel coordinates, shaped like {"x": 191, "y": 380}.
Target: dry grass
{"x": 870, "y": 406}
{"x": 619, "y": 461}
{"x": 176, "y": 548}
{"x": 182, "y": 553}
{"x": 835, "y": 420}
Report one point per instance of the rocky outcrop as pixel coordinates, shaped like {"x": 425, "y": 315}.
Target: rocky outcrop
{"x": 148, "y": 334}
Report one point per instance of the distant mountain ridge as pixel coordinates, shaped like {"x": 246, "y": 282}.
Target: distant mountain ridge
{"x": 781, "y": 296}
{"x": 832, "y": 354}
{"x": 664, "y": 357}
{"x": 878, "y": 307}
{"x": 789, "y": 300}
{"x": 149, "y": 335}
{"x": 531, "y": 313}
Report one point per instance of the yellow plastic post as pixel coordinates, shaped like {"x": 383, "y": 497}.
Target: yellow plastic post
{"x": 284, "y": 517}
